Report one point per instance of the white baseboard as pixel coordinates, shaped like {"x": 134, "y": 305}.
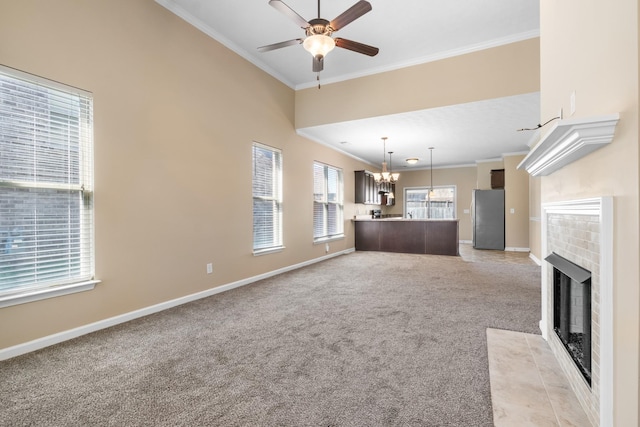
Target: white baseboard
{"x": 512, "y": 249}
{"x": 543, "y": 330}
{"x": 47, "y": 341}
{"x": 466, "y": 242}
{"x": 536, "y": 260}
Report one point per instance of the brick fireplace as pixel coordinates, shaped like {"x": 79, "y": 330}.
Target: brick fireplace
{"x": 580, "y": 232}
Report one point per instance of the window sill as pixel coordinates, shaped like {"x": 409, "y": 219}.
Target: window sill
{"x": 268, "y": 251}
{"x": 327, "y": 239}
{"x": 52, "y": 292}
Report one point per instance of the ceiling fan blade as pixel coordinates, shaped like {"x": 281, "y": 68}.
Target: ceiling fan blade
{"x": 356, "y": 47}
{"x": 282, "y": 7}
{"x": 351, "y": 14}
{"x": 318, "y": 64}
{"x": 279, "y": 45}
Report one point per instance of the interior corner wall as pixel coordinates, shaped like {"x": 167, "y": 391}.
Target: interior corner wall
{"x": 175, "y": 115}
{"x": 592, "y": 50}
{"x": 516, "y": 183}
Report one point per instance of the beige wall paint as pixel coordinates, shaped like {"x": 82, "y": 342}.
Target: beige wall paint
{"x": 593, "y": 50}
{"x": 175, "y": 116}
{"x": 462, "y": 177}
{"x": 516, "y": 195}
{"x": 477, "y": 76}
{"x": 535, "y": 225}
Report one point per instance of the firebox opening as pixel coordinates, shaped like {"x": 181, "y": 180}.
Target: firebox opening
{"x": 572, "y": 310}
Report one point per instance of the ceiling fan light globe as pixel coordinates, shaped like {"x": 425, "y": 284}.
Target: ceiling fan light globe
{"x": 319, "y": 44}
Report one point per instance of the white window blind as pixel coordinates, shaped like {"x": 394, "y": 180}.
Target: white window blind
{"x": 267, "y": 198}
{"x": 328, "y": 203}
{"x": 46, "y": 178}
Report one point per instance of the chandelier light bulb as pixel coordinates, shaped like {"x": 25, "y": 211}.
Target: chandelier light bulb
{"x": 319, "y": 45}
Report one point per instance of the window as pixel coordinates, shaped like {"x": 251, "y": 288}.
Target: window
{"x": 46, "y": 183}
{"x": 440, "y": 204}
{"x": 267, "y": 199}
{"x": 328, "y": 202}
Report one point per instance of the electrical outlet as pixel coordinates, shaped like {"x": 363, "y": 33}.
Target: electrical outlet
{"x": 326, "y": 248}
{"x": 512, "y": 210}
{"x": 209, "y": 268}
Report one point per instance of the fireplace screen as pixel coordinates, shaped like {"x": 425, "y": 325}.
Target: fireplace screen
{"x": 572, "y": 310}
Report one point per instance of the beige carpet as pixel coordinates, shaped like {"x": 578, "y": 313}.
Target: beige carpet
{"x": 365, "y": 339}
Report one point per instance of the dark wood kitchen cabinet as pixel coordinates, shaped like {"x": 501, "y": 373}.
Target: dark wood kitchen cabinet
{"x": 366, "y": 188}
{"x": 368, "y": 192}
{"x": 436, "y": 237}
{"x": 497, "y": 178}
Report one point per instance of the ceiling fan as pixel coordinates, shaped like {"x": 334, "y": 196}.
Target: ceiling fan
{"x": 318, "y": 40}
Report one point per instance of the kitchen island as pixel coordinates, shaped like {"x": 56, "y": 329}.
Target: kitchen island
{"x": 415, "y": 236}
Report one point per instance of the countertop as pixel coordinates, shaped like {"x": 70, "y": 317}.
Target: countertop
{"x": 368, "y": 218}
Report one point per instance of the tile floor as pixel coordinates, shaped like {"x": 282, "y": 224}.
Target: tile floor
{"x": 528, "y": 386}
{"x": 469, "y": 254}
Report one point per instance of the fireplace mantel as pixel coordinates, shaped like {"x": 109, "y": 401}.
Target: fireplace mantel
{"x": 567, "y": 141}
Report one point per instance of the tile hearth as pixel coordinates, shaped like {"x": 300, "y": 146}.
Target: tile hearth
{"x": 528, "y": 386}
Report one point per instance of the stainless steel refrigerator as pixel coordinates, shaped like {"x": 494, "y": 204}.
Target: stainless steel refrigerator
{"x": 488, "y": 219}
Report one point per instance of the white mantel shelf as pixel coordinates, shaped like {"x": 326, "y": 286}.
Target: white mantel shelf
{"x": 567, "y": 141}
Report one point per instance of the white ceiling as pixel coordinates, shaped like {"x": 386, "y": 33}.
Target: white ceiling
{"x": 407, "y": 32}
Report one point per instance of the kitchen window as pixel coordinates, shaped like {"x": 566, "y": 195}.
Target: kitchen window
{"x": 328, "y": 203}
{"x": 46, "y": 188}
{"x": 267, "y": 199}
{"x": 420, "y": 203}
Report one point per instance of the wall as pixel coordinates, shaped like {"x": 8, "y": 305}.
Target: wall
{"x": 483, "y": 177}
{"x": 535, "y": 226}
{"x": 592, "y": 49}
{"x": 511, "y": 69}
{"x": 516, "y": 199}
{"x": 175, "y": 116}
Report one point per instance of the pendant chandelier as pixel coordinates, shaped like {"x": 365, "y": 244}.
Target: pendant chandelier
{"x": 393, "y": 176}
{"x": 386, "y": 176}
{"x": 430, "y": 193}
{"x": 431, "y": 170}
